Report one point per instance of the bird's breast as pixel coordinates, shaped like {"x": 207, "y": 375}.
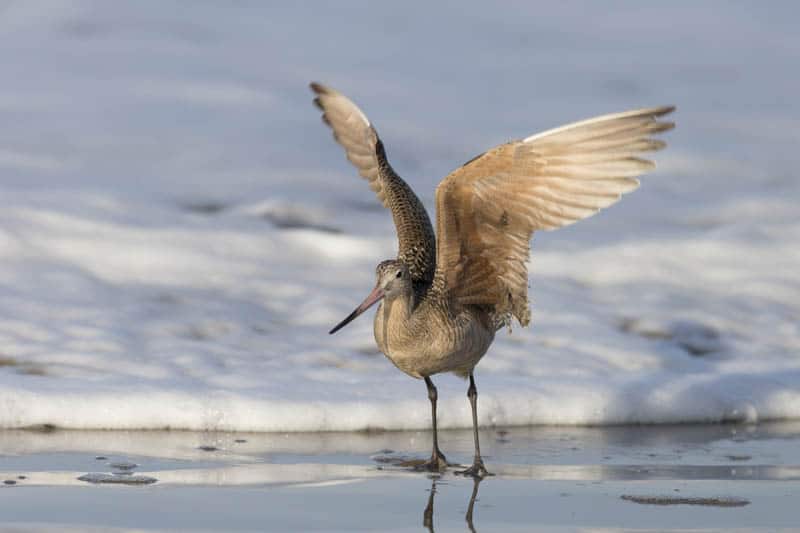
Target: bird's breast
{"x": 430, "y": 339}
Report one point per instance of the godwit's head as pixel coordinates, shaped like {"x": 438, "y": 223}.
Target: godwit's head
{"x": 392, "y": 281}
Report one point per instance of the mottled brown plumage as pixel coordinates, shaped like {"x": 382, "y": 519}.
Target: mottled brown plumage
{"x": 352, "y": 129}
{"x": 443, "y": 299}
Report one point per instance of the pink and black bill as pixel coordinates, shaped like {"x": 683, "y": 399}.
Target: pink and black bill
{"x": 373, "y": 298}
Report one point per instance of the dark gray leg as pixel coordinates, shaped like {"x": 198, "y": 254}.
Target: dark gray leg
{"x": 477, "y": 469}
{"x": 438, "y": 461}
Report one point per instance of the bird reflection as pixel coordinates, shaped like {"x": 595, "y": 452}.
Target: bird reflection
{"x": 468, "y": 517}
{"x": 427, "y": 514}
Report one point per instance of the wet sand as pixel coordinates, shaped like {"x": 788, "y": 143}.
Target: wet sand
{"x": 706, "y": 478}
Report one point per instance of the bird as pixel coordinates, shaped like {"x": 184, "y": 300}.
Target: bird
{"x": 445, "y": 295}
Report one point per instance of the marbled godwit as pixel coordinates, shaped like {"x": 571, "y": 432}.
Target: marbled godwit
{"x": 442, "y": 300}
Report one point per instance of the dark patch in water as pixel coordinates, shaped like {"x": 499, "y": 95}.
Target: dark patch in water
{"x": 624, "y": 87}
{"x": 634, "y": 326}
{"x": 167, "y": 298}
{"x": 205, "y": 208}
{"x": 418, "y": 465}
{"x": 695, "y": 338}
{"x": 680, "y": 500}
{"x": 372, "y": 430}
{"x": 261, "y": 330}
{"x": 389, "y": 460}
{"x": 205, "y": 331}
{"x": 10, "y": 482}
{"x": 208, "y": 448}
{"x": 123, "y": 465}
{"x": 114, "y": 479}
{"x": 101, "y": 458}
{"x": 370, "y": 206}
{"x": 21, "y": 368}
{"x": 42, "y": 428}
{"x": 290, "y": 220}
{"x": 738, "y": 457}
{"x": 32, "y": 370}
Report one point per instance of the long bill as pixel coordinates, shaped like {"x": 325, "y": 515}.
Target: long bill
{"x": 373, "y": 298}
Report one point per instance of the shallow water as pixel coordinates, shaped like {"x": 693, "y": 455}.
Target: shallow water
{"x": 707, "y": 478}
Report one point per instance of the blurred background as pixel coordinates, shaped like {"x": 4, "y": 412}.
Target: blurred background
{"x": 173, "y": 212}
{"x": 210, "y": 99}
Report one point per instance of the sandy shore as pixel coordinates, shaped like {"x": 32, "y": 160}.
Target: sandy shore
{"x": 708, "y": 478}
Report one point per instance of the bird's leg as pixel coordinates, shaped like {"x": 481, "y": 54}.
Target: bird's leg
{"x": 477, "y": 469}
{"x": 438, "y": 461}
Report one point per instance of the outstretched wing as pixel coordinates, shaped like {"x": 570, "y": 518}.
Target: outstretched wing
{"x": 352, "y": 129}
{"x": 487, "y": 210}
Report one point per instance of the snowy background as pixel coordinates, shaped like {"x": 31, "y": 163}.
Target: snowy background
{"x": 178, "y": 231}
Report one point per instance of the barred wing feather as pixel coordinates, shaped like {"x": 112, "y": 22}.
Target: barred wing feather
{"x": 352, "y": 130}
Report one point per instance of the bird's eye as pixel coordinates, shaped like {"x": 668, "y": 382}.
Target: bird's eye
{"x": 399, "y": 274}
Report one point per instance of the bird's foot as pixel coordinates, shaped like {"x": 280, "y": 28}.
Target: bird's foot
{"x": 437, "y": 463}
{"x": 477, "y": 470}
